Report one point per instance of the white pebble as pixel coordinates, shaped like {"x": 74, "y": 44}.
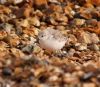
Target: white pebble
{"x": 17, "y": 1}
{"x": 3, "y": 1}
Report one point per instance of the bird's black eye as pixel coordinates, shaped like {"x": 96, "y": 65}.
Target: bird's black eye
{"x": 42, "y": 35}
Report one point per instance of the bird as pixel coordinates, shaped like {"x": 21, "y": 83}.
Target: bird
{"x": 51, "y": 39}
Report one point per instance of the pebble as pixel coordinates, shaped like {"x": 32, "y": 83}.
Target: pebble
{"x": 24, "y": 23}
{"x": 17, "y": 1}
{"x": 3, "y": 35}
{"x": 40, "y": 2}
{"x": 71, "y": 52}
{"x": 73, "y": 12}
{"x": 3, "y": 1}
{"x": 87, "y": 76}
{"x": 81, "y": 46}
{"x": 77, "y": 6}
{"x": 68, "y": 79}
{"x": 13, "y": 39}
{"x": 8, "y": 27}
{"x": 36, "y": 49}
{"x": 94, "y": 47}
{"x": 89, "y": 85}
{"x": 8, "y": 62}
{"x": 53, "y": 78}
{"x": 79, "y": 21}
{"x": 27, "y": 49}
{"x": 34, "y": 21}
{"x": 84, "y": 37}
{"x": 94, "y": 38}
{"x": 7, "y": 72}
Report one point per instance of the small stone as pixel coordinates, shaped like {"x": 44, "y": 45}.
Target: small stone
{"x": 8, "y": 85}
{"x": 36, "y": 49}
{"x": 59, "y": 27}
{"x": 8, "y": 62}
{"x": 8, "y": 27}
{"x": 32, "y": 41}
{"x": 13, "y": 39}
{"x": 59, "y": 17}
{"x": 84, "y": 37}
{"x": 96, "y": 2}
{"x": 80, "y": 73}
{"x": 3, "y": 49}
{"x": 40, "y": 2}
{"x": 94, "y": 47}
{"x": 43, "y": 85}
{"x": 29, "y": 32}
{"x": 72, "y": 39}
{"x": 34, "y": 21}
{"x": 17, "y": 53}
{"x": 36, "y": 31}
{"x": 17, "y": 1}
{"x": 56, "y": 8}
{"x": 53, "y": 78}
{"x": 68, "y": 78}
{"x": 24, "y": 11}
{"x": 89, "y": 85}
{"x": 7, "y": 71}
{"x": 68, "y": 10}
{"x": 86, "y": 13}
{"x": 4, "y": 10}
{"x": 3, "y": 1}
{"x": 24, "y": 23}
{"x": 94, "y": 38}
{"x": 3, "y": 35}
{"x": 79, "y": 21}
{"x": 27, "y": 10}
{"x": 77, "y": 6}
{"x": 54, "y": 1}
{"x": 73, "y": 12}
{"x": 19, "y": 30}
{"x": 38, "y": 71}
{"x": 18, "y": 70}
{"x": 71, "y": 52}
{"x": 92, "y": 22}
{"x": 87, "y": 76}
{"x": 81, "y": 47}
{"x": 27, "y": 49}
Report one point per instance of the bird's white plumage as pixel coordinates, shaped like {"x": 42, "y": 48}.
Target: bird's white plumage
{"x": 51, "y": 39}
